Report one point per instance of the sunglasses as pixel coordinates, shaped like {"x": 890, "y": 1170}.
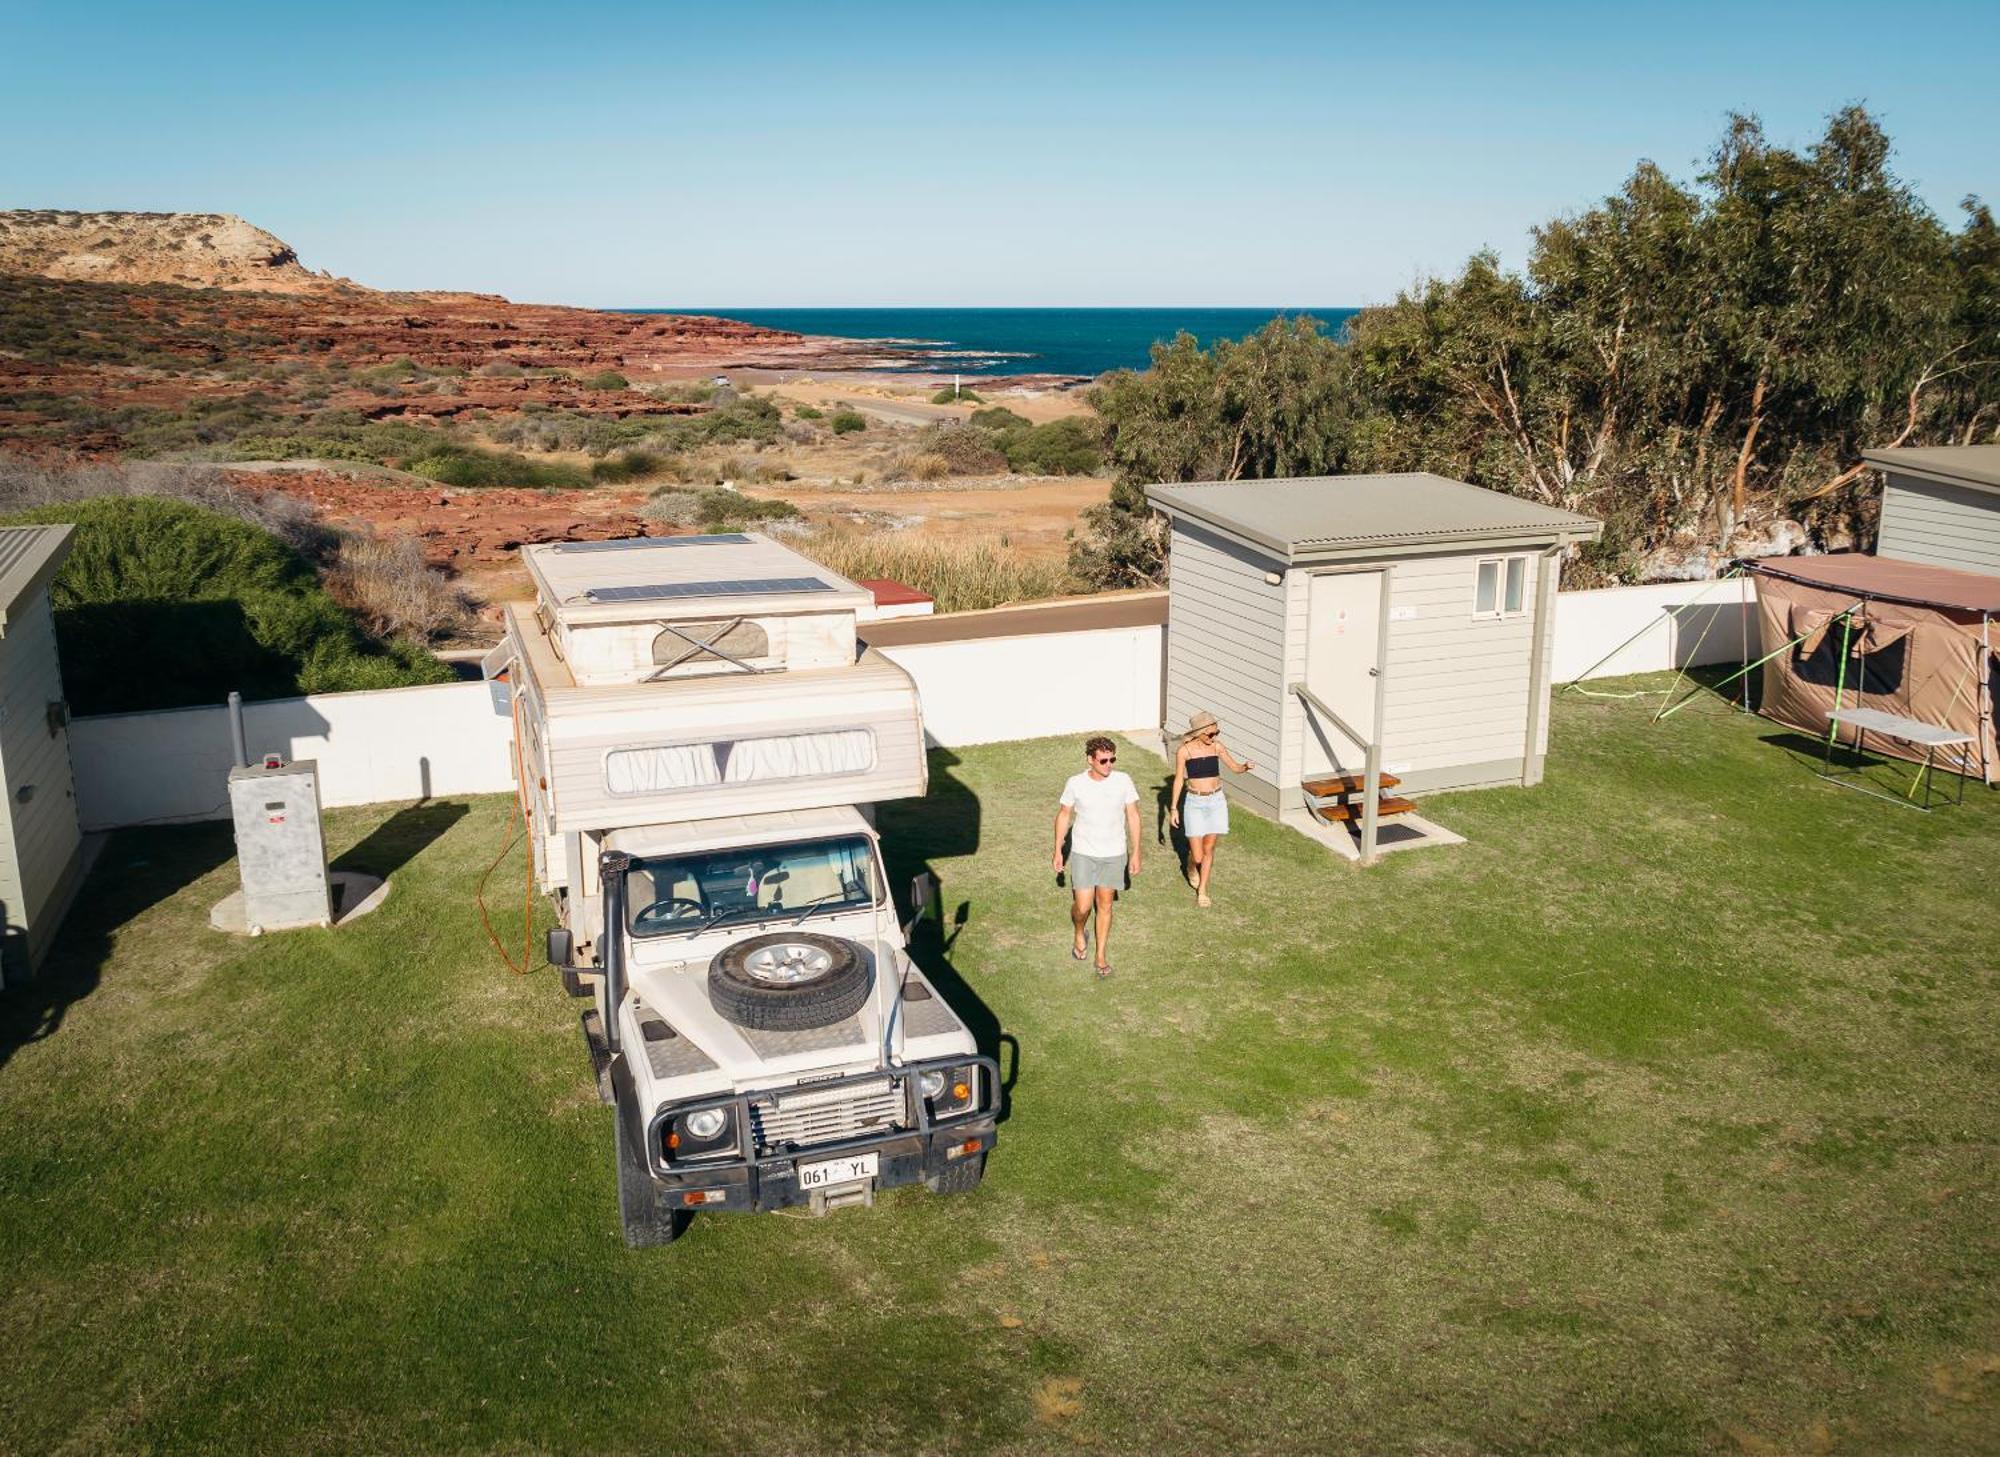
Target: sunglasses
{"x": 1104, "y": 759}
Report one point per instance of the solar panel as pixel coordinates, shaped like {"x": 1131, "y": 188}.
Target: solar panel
{"x": 738, "y": 587}
{"x": 630, "y": 543}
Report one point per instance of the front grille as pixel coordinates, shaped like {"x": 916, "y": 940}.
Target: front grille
{"x": 806, "y": 1118}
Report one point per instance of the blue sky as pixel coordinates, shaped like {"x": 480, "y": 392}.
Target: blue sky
{"x": 786, "y": 154}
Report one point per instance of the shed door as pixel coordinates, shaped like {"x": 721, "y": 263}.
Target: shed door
{"x": 1343, "y": 619}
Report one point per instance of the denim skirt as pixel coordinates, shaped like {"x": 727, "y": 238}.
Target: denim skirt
{"x": 1205, "y": 814}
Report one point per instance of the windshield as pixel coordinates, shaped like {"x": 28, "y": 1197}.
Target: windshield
{"x": 684, "y": 893}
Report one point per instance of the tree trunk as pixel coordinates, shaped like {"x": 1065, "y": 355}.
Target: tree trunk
{"x": 1739, "y": 491}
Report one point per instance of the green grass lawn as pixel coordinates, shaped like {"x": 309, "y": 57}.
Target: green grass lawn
{"x": 1660, "y": 1117}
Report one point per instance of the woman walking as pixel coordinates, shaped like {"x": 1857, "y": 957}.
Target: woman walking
{"x": 1204, "y": 816}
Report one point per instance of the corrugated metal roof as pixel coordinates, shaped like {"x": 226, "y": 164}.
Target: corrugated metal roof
{"x": 1302, "y": 515}
{"x": 1966, "y": 465}
{"x": 29, "y": 557}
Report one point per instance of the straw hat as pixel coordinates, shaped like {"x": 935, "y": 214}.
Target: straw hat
{"x": 1200, "y": 721}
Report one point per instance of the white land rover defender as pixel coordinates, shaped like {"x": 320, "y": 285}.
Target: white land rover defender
{"x": 698, "y": 735}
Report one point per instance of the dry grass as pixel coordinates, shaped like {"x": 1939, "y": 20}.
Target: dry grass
{"x": 385, "y": 583}
{"x": 964, "y": 574}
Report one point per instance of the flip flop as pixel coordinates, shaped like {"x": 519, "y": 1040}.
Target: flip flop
{"x": 1104, "y": 971}
{"x": 1076, "y": 955}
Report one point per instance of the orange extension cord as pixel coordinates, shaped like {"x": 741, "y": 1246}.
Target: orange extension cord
{"x": 522, "y": 819}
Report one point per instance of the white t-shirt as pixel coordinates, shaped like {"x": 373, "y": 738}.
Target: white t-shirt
{"x": 1098, "y": 829}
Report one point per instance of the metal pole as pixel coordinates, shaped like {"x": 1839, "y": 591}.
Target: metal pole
{"x": 1371, "y": 779}
{"x": 1840, "y": 678}
{"x": 236, "y": 739}
{"x": 1538, "y": 666}
{"x": 1743, "y": 620}
{"x": 611, "y": 868}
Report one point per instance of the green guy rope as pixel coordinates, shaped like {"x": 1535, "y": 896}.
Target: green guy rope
{"x": 1748, "y": 667}
{"x": 1672, "y": 615}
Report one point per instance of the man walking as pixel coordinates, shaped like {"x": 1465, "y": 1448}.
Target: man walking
{"x": 1102, "y": 805}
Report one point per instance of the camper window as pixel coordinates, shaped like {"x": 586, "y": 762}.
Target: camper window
{"x": 690, "y": 642}
{"x": 660, "y": 768}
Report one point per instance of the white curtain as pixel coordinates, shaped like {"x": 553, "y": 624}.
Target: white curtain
{"x": 648, "y": 771}
{"x": 801, "y": 756}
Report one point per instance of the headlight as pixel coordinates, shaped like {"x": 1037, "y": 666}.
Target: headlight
{"x": 705, "y": 1133}
{"x": 951, "y": 1091}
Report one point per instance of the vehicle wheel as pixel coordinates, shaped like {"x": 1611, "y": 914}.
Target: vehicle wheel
{"x": 789, "y": 981}
{"x": 648, "y": 1221}
{"x": 959, "y": 1178}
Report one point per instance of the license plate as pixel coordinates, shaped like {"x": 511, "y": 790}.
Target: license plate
{"x": 839, "y": 1171}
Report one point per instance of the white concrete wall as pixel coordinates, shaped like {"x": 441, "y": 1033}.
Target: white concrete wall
{"x": 404, "y": 743}
{"x": 991, "y": 689}
{"x": 1685, "y": 624}
{"x": 399, "y": 743}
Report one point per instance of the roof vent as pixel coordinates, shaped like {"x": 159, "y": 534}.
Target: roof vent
{"x": 633, "y": 543}
{"x": 738, "y": 587}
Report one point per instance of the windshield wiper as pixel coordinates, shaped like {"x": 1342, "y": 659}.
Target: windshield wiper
{"x": 816, "y": 902}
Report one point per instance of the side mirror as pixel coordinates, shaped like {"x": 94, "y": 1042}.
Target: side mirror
{"x": 923, "y": 893}
{"x": 561, "y": 945}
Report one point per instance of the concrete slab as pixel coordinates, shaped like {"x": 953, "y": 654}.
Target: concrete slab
{"x": 354, "y": 896}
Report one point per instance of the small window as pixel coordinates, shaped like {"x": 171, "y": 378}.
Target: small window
{"x": 1486, "y": 598}
{"x": 1501, "y": 587}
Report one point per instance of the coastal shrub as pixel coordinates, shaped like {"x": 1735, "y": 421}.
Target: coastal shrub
{"x": 846, "y": 422}
{"x": 929, "y": 466}
{"x": 683, "y": 391}
{"x": 389, "y": 588}
{"x": 609, "y": 379}
{"x": 809, "y": 412}
{"x": 673, "y": 506}
{"x": 998, "y": 418}
{"x": 395, "y": 371}
{"x": 161, "y": 604}
{"x": 714, "y": 509}
{"x": 963, "y": 574}
{"x": 1066, "y": 447}
{"x": 626, "y": 465}
{"x": 464, "y": 466}
{"x": 965, "y": 451}
{"x": 745, "y": 420}
{"x": 955, "y": 397}
{"x": 802, "y": 432}
{"x": 26, "y": 484}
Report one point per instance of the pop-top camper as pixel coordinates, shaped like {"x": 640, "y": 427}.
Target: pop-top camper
{"x": 698, "y": 735}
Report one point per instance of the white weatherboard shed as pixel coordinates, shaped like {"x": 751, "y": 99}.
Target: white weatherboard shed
{"x": 40, "y": 844}
{"x": 1940, "y": 505}
{"x": 1374, "y": 628}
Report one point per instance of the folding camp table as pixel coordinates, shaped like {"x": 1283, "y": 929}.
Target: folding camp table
{"x": 1894, "y": 726}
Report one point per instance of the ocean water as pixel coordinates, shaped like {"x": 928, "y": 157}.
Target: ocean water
{"x": 1020, "y": 341}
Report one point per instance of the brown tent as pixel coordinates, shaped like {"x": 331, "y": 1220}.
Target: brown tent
{"x": 1864, "y": 631}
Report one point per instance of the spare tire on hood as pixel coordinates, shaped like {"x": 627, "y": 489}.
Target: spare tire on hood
{"x": 789, "y": 981}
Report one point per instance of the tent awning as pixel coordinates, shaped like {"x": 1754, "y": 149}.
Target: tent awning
{"x": 1886, "y": 580}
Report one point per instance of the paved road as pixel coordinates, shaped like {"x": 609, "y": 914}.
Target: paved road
{"x": 902, "y": 414}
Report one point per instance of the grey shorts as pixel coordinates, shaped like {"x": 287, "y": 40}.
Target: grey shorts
{"x": 1090, "y": 872}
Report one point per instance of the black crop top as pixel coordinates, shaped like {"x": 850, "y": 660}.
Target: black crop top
{"x": 1208, "y": 766}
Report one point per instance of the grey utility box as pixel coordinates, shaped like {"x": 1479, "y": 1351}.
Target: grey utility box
{"x": 279, "y": 846}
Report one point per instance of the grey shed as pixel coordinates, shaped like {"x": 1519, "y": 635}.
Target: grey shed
{"x": 40, "y": 844}
{"x": 1940, "y": 505}
{"x": 1305, "y": 612}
